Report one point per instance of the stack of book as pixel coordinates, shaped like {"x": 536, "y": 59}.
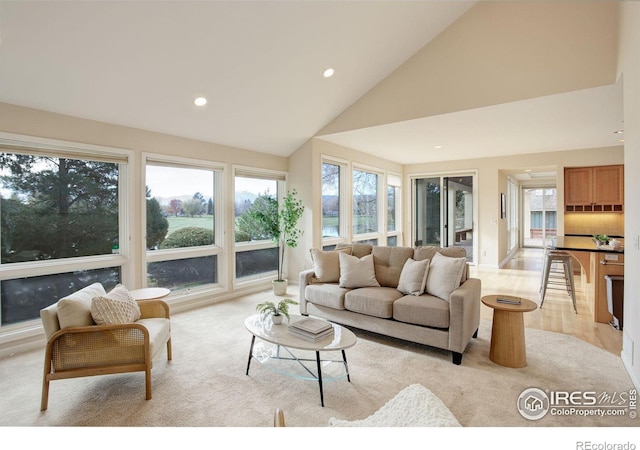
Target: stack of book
{"x": 311, "y": 329}
{"x": 509, "y": 301}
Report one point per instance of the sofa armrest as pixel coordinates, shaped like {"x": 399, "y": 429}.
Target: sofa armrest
{"x": 464, "y": 314}
{"x": 304, "y": 280}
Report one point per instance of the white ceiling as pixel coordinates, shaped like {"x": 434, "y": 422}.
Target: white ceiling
{"x": 260, "y": 64}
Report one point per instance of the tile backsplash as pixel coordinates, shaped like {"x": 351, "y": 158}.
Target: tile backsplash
{"x": 596, "y": 223}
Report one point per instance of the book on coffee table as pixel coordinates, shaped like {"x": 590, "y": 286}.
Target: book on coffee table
{"x": 311, "y": 325}
{"x": 312, "y": 337}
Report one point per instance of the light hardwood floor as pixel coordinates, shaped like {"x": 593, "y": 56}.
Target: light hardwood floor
{"x": 521, "y": 277}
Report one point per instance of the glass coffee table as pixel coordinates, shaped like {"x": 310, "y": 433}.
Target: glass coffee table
{"x": 285, "y": 353}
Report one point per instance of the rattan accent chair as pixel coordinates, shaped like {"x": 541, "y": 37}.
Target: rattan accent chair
{"x": 81, "y": 351}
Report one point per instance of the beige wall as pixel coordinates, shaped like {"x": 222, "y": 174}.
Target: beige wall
{"x": 497, "y": 52}
{"x": 629, "y": 69}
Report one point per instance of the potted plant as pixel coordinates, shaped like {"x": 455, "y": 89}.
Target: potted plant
{"x": 276, "y": 310}
{"x": 601, "y": 239}
{"x": 282, "y": 228}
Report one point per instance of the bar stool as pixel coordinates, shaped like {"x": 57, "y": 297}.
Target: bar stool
{"x": 551, "y": 275}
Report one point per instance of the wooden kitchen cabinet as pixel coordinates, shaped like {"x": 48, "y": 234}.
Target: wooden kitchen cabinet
{"x": 594, "y": 189}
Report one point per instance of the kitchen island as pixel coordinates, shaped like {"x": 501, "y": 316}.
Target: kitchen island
{"x": 595, "y": 262}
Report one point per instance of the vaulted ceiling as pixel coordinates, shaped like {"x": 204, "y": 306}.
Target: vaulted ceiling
{"x": 260, "y": 64}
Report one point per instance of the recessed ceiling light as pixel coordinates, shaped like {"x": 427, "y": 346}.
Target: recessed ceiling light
{"x": 200, "y": 101}
{"x": 618, "y": 132}
{"x": 437, "y": 146}
{"x": 527, "y": 170}
{"x": 328, "y": 73}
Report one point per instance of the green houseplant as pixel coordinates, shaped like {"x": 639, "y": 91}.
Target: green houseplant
{"x": 276, "y": 310}
{"x": 281, "y": 224}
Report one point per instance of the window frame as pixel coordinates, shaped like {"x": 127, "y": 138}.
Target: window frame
{"x": 394, "y": 180}
{"x": 344, "y": 202}
{"x": 239, "y": 247}
{"x": 380, "y": 234}
{"x": 24, "y": 144}
{"x": 174, "y": 254}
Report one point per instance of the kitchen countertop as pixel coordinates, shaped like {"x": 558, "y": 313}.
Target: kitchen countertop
{"x": 583, "y": 244}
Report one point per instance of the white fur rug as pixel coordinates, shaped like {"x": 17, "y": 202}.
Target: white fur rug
{"x": 414, "y": 406}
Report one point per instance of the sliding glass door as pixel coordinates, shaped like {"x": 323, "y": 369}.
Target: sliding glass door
{"x": 443, "y": 212}
{"x": 539, "y": 216}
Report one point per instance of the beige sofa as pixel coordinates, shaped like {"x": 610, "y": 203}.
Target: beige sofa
{"x": 433, "y": 303}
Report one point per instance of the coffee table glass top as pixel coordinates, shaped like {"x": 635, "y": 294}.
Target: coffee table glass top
{"x": 264, "y": 329}
{"x": 296, "y": 357}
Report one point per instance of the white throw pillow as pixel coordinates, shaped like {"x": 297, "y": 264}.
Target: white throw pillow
{"x": 357, "y": 272}
{"x": 326, "y": 264}
{"x": 118, "y": 306}
{"x": 413, "y": 278}
{"x": 444, "y": 275}
{"x": 74, "y": 310}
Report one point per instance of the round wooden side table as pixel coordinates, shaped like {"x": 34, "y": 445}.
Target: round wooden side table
{"x": 507, "y": 330}
{"x": 149, "y": 293}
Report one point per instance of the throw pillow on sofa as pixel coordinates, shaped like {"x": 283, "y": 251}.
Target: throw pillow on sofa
{"x": 326, "y": 264}
{"x": 357, "y": 272}
{"x": 116, "y": 307}
{"x": 413, "y": 278}
{"x": 444, "y": 275}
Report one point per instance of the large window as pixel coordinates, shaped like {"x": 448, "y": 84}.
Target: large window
{"x": 60, "y": 227}
{"x": 256, "y": 255}
{"x": 181, "y": 225}
{"x": 394, "y": 199}
{"x": 365, "y": 206}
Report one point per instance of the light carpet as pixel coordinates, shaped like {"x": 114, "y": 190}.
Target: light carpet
{"x": 205, "y": 385}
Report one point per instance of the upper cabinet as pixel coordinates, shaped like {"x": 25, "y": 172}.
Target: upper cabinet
{"x": 594, "y": 189}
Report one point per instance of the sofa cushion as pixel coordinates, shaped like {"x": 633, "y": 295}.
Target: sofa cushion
{"x": 118, "y": 306}
{"x": 377, "y": 302}
{"x": 388, "y": 263}
{"x": 330, "y": 295}
{"x": 413, "y": 279}
{"x": 444, "y": 275}
{"x": 357, "y": 272}
{"x": 326, "y": 264}
{"x": 425, "y": 310}
{"x": 428, "y": 251}
{"x": 74, "y": 310}
{"x": 357, "y": 250}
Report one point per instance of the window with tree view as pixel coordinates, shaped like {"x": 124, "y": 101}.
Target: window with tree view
{"x": 365, "y": 202}
{"x": 53, "y": 208}
{"x": 180, "y": 215}
{"x": 330, "y": 200}
{"x": 256, "y": 254}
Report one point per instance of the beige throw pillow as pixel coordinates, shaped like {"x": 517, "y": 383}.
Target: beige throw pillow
{"x": 357, "y": 272}
{"x": 74, "y": 310}
{"x": 413, "y": 278}
{"x": 444, "y": 275}
{"x": 118, "y": 306}
{"x": 326, "y": 264}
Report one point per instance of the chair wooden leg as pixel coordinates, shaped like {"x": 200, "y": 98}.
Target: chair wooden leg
{"x": 147, "y": 382}
{"x": 169, "y": 355}
{"x": 45, "y": 393}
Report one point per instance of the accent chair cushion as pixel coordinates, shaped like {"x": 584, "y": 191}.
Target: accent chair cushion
{"x": 357, "y": 272}
{"x": 74, "y": 310}
{"x": 118, "y": 306}
{"x": 444, "y": 275}
{"x": 413, "y": 278}
{"x": 326, "y": 264}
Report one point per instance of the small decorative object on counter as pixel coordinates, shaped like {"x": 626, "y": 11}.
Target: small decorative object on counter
{"x": 601, "y": 239}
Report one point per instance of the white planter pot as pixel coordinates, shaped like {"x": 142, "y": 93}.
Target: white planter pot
{"x": 280, "y": 287}
{"x": 277, "y": 320}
